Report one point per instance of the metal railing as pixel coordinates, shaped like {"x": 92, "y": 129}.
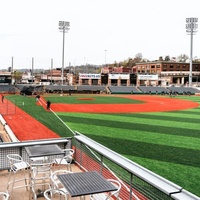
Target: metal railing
{"x": 19, "y": 148}
{"x": 137, "y": 181}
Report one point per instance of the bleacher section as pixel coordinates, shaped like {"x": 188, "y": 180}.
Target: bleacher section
{"x": 183, "y": 90}
{"x": 58, "y": 88}
{"x": 124, "y": 90}
{"x": 153, "y": 90}
{"x": 11, "y": 89}
{"x": 97, "y": 89}
{"x": 20, "y": 86}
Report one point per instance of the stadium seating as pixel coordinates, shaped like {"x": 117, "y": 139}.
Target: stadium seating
{"x": 124, "y": 90}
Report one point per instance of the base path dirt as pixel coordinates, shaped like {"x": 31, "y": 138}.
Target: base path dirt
{"x": 26, "y": 127}
{"x": 150, "y": 104}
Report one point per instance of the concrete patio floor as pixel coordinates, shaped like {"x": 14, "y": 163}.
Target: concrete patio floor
{"x": 22, "y": 193}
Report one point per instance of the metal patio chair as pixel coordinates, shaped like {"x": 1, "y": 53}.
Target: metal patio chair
{"x": 17, "y": 164}
{"x": 56, "y": 194}
{"x": 4, "y": 196}
{"x": 56, "y": 184}
{"x": 40, "y": 178}
{"x": 108, "y": 195}
{"x": 66, "y": 160}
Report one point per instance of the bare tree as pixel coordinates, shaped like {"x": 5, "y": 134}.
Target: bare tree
{"x": 182, "y": 58}
{"x": 138, "y": 57}
{"x": 167, "y": 58}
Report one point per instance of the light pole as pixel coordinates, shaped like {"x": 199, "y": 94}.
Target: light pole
{"x": 74, "y": 67}
{"x": 63, "y": 27}
{"x": 84, "y": 71}
{"x": 32, "y": 69}
{"x": 105, "y": 57}
{"x": 51, "y": 69}
{"x": 191, "y": 29}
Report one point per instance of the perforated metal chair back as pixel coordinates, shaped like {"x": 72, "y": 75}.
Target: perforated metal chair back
{"x": 54, "y": 194}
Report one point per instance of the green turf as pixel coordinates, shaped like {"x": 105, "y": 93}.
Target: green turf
{"x": 167, "y": 143}
{"x": 39, "y": 113}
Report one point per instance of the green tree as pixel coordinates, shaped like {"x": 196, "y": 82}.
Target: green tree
{"x": 167, "y": 58}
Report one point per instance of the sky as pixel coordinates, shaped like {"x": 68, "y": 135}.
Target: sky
{"x": 101, "y": 31}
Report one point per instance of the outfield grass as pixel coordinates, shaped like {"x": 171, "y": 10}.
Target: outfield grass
{"x": 167, "y": 143}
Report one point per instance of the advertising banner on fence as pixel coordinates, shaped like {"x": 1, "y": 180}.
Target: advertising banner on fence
{"x": 148, "y": 77}
{"x": 89, "y": 76}
{"x": 121, "y": 76}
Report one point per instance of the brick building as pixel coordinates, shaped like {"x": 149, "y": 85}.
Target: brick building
{"x": 166, "y": 72}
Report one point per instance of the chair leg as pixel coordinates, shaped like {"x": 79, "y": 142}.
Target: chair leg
{"x": 12, "y": 180}
{"x": 10, "y": 183}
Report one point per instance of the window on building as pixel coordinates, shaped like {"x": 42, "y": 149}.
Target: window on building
{"x": 184, "y": 67}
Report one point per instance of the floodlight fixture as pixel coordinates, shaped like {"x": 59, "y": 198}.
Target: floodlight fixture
{"x": 191, "y": 25}
{"x": 191, "y": 29}
{"x": 63, "y": 27}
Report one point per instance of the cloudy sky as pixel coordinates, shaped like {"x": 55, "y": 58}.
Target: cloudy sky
{"x": 101, "y": 31}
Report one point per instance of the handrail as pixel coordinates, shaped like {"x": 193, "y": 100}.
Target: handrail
{"x": 19, "y": 148}
{"x": 148, "y": 176}
{"x": 33, "y": 142}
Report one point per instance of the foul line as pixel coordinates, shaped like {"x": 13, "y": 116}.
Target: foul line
{"x": 44, "y": 103}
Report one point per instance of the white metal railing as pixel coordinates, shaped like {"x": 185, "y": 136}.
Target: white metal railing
{"x": 19, "y": 148}
{"x": 149, "y": 186}
{"x": 138, "y": 182}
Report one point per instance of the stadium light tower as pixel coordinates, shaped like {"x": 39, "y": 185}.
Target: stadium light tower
{"x": 63, "y": 27}
{"x": 105, "y": 57}
{"x": 191, "y": 29}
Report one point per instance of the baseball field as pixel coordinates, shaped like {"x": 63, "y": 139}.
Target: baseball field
{"x": 161, "y": 133}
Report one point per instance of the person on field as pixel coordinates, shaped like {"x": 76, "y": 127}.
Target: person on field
{"x": 48, "y": 105}
{"x": 37, "y": 98}
{"x": 2, "y": 98}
